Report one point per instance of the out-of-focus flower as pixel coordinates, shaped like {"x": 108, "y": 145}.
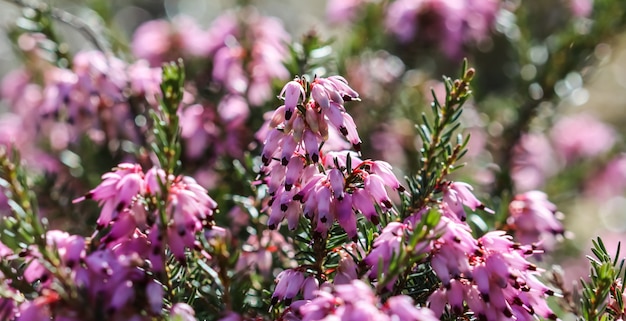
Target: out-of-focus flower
{"x": 259, "y": 252}
{"x": 534, "y": 219}
{"x": 446, "y": 23}
{"x": 610, "y": 181}
{"x": 89, "y": 100}
{"x": 401, "y": 307}
{"x": 347, "y": 270}
{"x": 581, "y": 8}
{"x": 183, "y": 312}
{"x": 581, "y": 136}
{"x": 117, "y": 277}
{"x": 341, "y": 12}
{"x": 158, "y": 41}
{"x": 265, "y": 50}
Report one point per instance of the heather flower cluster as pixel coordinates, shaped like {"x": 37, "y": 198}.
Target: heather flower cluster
{"x": 127, "y": 197}
{"x": 303, "y": 179}
{"x": 116, "y": 276}
{"x": 495, "y": 281}
{"x": 443, "y": 24}
{"x": 242, "y": 70}
{"x": 91, "y": 100}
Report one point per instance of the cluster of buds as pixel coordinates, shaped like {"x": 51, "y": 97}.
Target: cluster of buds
{"x": 128, "y": 198}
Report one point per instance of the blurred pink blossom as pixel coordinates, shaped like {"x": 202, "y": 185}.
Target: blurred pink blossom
{"x": 581, "y": 136}
{"x": 609, "y": 181}
{"x": 581, "y": 8}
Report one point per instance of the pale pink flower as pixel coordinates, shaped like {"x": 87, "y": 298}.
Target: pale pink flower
{"x": 581, "y": 136}
{"x": 534, "y": 219}
{"x": 385, "y": 246}
{"x": 342, "y": 12}
{"x": 456, "y": 195}
{"x": 497, "y": 282}
{"x": 288, "y": 284}
{"x": 356, "y": 301}
{"x": 610, "y": 181}
{"x": 183, "y": 312}
{"x": 117, "y": 191}
{"x": 581, "y": 8}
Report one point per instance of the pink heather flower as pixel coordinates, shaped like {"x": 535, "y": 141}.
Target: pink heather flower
{"x": 159, "y": 41}
{"x": 297, "y": 185}
{"x": 288, "y": 284}
{"x": 610, "y": 181}
{"x": 342, "y": 12}
{"x": 497, "y": 282}
{"x": 335, "y": 194}
{"x": 308, "y": 126}
{"x": 534, "y": 218}
{"x": 449, "y": 252}
{"x": 292, "y": 93}
{"x": 189, "y": 208}
{"x": 572, "y": 143}
{"x": 117, "y": 191}
{"x": 347, "y": 270}
{"x": 182, "y": 312}
{"x": 401, "y": 307}
{"x": 385, "y": 246}
{"x": 581, "y": 8}
{"x": 357, "y": 301}
{"x": 459, "y": 194}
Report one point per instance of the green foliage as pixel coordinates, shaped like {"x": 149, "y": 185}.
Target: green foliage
{"x": 166, "y": 145}
{"x": 441, "y": 148}
{"x": 603, "y": 295}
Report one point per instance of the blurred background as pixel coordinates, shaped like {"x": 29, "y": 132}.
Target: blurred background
{"x": 548, "y": 113}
